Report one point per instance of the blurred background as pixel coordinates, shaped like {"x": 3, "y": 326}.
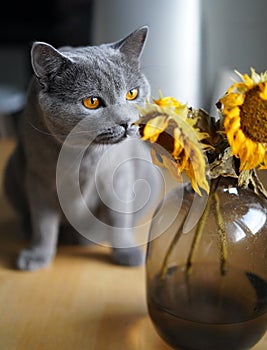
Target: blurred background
{"x": 192, "y": 49}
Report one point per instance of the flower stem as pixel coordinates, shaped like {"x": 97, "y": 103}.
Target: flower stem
{"x": 222, "y": 234}
{"x": 198, "y": 235}
{"x": 164, "y": 267}
{"x": 200, "y": 227}
{"x": 213, "y": 196}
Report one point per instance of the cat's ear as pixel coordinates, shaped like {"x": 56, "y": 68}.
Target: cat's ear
{"x": 46, "y": 60}
{"x": 134, "y": 43}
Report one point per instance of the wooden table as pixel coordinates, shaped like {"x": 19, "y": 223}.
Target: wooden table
{"x": 82, "y": 301}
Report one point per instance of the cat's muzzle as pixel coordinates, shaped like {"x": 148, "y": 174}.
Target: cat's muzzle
{"x": 116, "y": 134}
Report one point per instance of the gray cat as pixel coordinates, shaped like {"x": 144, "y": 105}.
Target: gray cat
{"x": 77, "y": 144}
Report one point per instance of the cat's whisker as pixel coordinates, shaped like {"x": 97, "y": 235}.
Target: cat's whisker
{"x": 83, "y": 132}
{"x": 39, "y": 130}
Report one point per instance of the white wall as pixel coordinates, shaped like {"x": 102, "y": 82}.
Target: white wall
{"x": 171, "y": 59}
{"x": 234, "y": 37}
{"x": 193, "y": 45}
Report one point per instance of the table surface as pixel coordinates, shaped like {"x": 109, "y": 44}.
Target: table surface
{"x": 81, "y": 301}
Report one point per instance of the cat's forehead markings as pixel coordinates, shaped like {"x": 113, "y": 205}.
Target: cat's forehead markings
{"x": 95, "y": 57}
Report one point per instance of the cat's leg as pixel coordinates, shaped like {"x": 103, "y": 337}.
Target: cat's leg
{"x": 14, "y": 188}
{"x": 117, "y": 208}
{"x": 45, "y": 220}
{"x": 69, "y": 235}
{"x": 124, "y": 248}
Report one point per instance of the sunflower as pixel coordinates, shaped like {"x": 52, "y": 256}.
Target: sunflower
{"x": 175, "y": 139}
{"x": 244, "y": 108}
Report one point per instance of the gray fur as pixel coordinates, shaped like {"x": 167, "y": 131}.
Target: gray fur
{"x": 62, "y": 79}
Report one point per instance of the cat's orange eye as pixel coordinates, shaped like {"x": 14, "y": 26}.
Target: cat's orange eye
{"x": 91, "y": 102}
{"x": 132, "y": 94}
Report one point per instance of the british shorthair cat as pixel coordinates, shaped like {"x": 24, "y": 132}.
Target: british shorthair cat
{"x": 78, "y": 156}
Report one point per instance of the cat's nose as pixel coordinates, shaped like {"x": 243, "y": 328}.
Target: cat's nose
{"x": 124, "y": 125}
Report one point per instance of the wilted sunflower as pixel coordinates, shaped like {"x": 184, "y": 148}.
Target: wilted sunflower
{"x": 245, "y": 111}
{"x": 175, "y": 139}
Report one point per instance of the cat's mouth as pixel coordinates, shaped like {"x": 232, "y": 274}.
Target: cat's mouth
{"x": 112, "y": 135}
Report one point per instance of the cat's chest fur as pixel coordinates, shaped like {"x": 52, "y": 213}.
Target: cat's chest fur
{"x": 101, "y": 173}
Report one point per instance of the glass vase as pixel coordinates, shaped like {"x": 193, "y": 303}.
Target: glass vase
{"x": 206, "y": 268}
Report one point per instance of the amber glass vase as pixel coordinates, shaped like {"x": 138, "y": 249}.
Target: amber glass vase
{"x": 206, "y": 268}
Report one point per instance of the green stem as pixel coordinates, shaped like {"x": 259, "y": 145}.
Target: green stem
{"x": 200, "y": 227}
{"x": 222, "y": 234}
{"x": 164, "y": 267}
{"x": 198, "y": 235}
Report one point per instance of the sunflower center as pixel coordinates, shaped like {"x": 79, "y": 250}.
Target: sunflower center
{"x": 253, "y": 115}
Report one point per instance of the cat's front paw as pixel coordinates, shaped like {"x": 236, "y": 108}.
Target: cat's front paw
{"x": 128, "y": 256}
{"x": 33, "y": 259}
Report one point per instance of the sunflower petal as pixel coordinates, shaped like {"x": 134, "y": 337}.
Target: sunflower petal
{"x": 263, "y": 93}
{"x": 154, "y": 128}
{"x": 250, "y": 151}
{"x": 186, "y": 151}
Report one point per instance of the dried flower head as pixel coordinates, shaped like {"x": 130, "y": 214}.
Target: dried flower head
{"x": 244, "y": 108}
{"x": 176, "y": 141}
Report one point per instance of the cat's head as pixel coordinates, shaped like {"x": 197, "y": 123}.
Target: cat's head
{"x": 95, "y": 87}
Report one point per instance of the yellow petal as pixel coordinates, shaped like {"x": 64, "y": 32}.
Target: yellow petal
{"x": 178, "y": 143}
{"x": 234, "y": 112}
{"x": 167, "y": 102}
{"x": 154, "y": 128}
{"x": 156, "y": 158}
{"x": 263, "y": 93}
{"x": 172, "y": 168}
{"x": 249, "y": 82}
{"x": 233, "y": 100}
